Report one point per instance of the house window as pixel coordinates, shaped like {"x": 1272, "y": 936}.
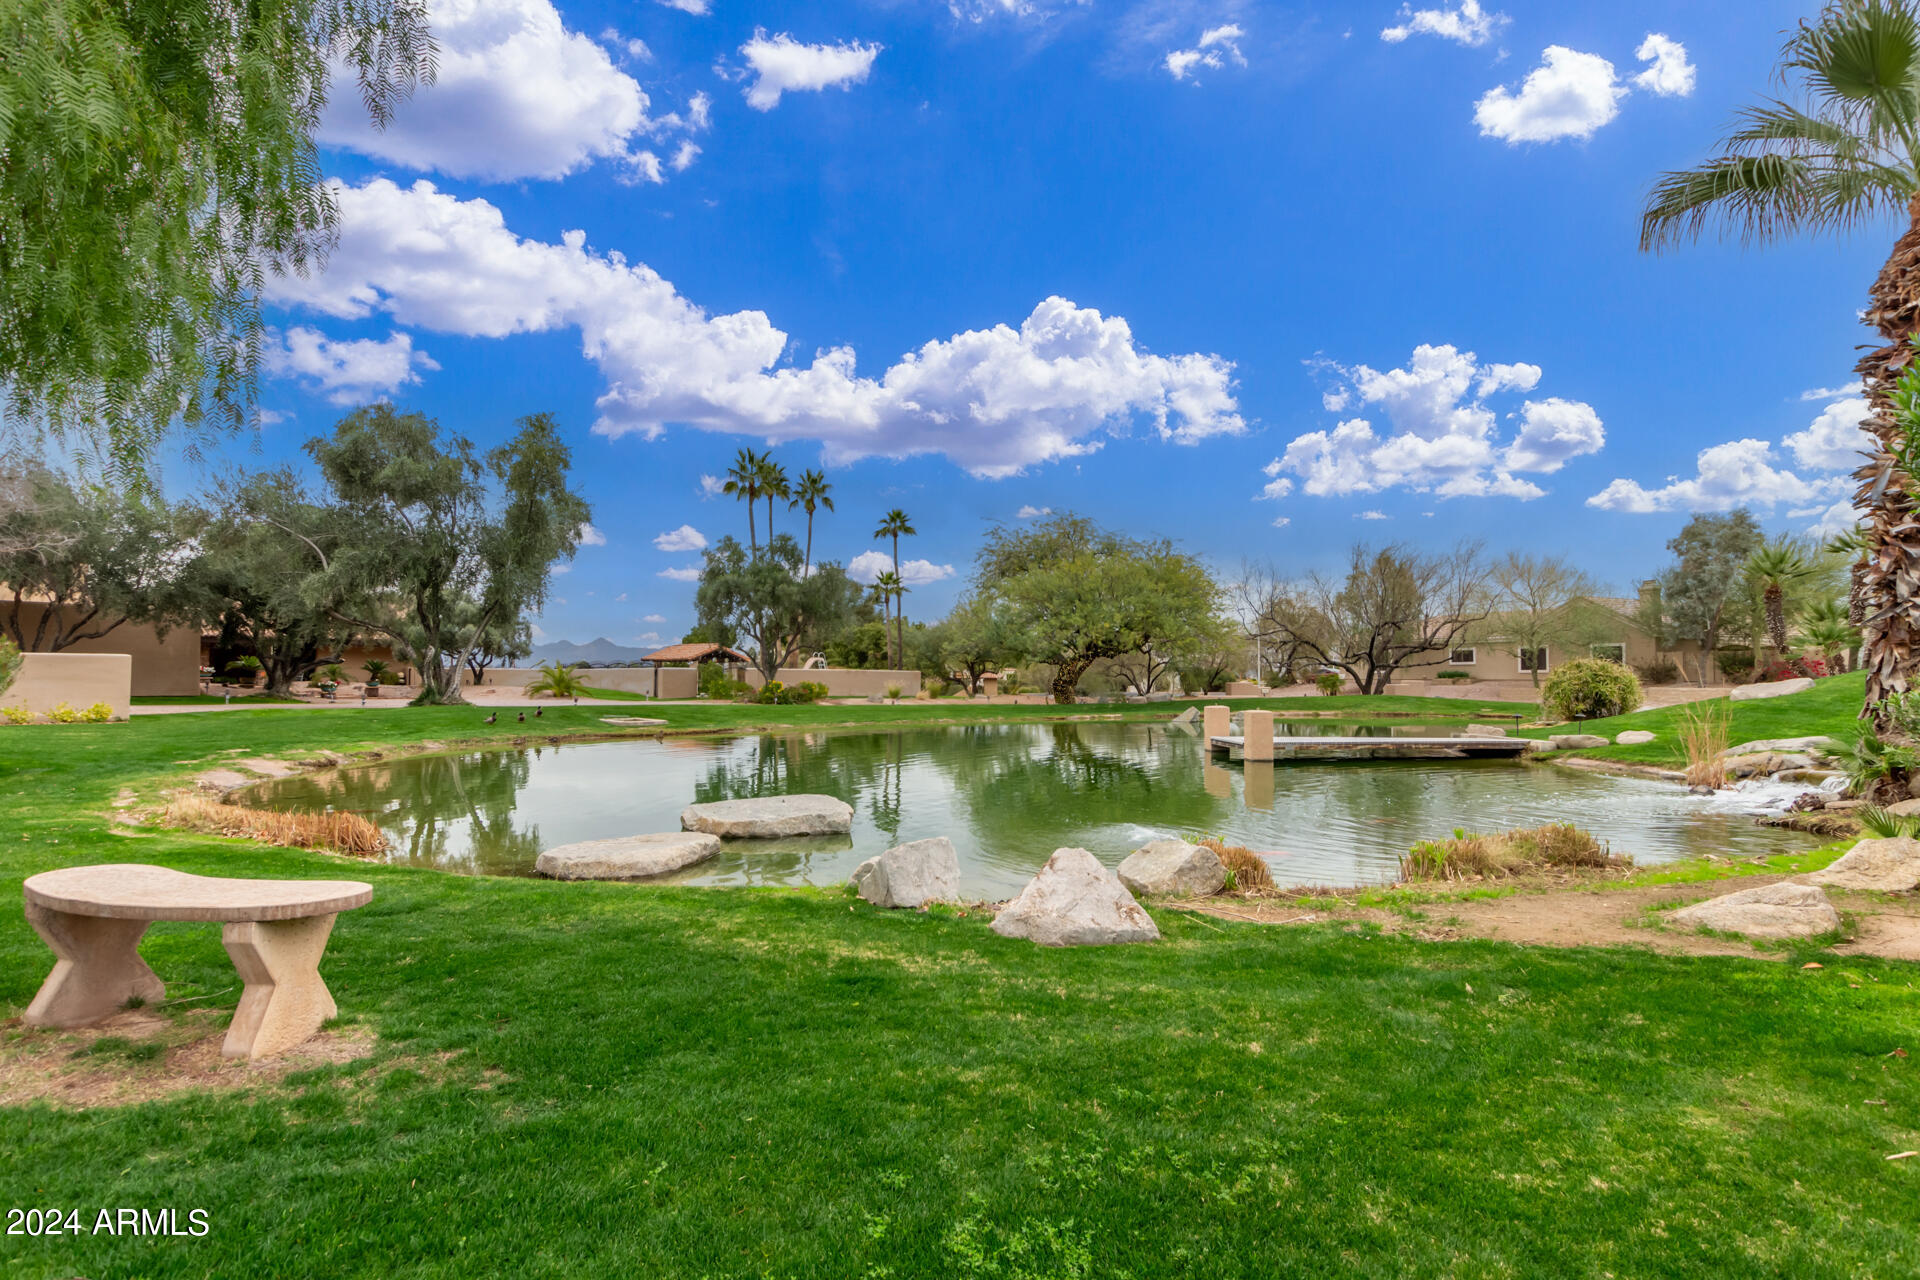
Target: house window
{"x": 1461, "y": 657}
{"x": 1611, "y": 653}
{"x": 1533, "y": 660}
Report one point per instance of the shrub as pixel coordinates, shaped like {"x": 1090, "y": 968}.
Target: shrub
{"x": 773, "y": 692}
{"x": 1010, "y": 683}
{"x": 62, "y": 713}
{"x": 1796, "y": 667}
{"x": 1453, "y": 675}
{"x": 16, "y": 715}
{"x": 893, "y": 693}
{"x": 1734, "y": 666}
{"x": 336, "y": 830}
{"x": 714, "y": 682}
{"x": 1328, "y": 683}
{"x": 809, "y": 691}
{"x": 1467, "y": 856}
{"x": 1660, "y": 671}
{"x": 1704, "y": 729}
{"x": 1876, "y": 760}
{"x": 1590, "y": 689}
{"x": 1247, "y": 871}
{"x": 10, "y": 661}
{"x": 243, "y": 670}
{"x": 98, "y": 713}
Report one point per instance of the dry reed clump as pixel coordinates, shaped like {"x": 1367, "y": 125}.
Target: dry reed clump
{"x": 1556, "y": 846}
{"x": 1704, "y": 729}
{"x": 1248, "y": 869}
{"x": 347, "y": 833}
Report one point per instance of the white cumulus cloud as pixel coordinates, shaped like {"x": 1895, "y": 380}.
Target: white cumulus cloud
{"x": 1569, "y": 95}
{"x": 691, "y": 574}
{"x": 1469, "y": 25}
{"x": 1738, "y": 473}
{"x": 712, "y": 487}
{"x": 1853, "y": 388}
{"x": 652, "y": 617}
{"x": 695, "y": 7}
{"x": 869, "y": 565}
{"x": 996, "y": 400}
{"x": 1748, "y": 473}
{"x": 1032, "y": 512}
{"x": 1670, "y": 75}
{"x": 516, "y": 95}
{"x": 781, "y": 64}
{"x": 685, "y": 538}
{"x": 1371, "y": 515}
{"x": 1835, "y": 440}
{"x": 1216, "y": 48}
{"x": 1444, "y": 436}
{"x": 588, "y": 536}
{"x": 349, "y": 371}
{"x": 1281, "y": 522}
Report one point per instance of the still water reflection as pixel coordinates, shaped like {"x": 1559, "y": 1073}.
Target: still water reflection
{"x": 1007, "y": 795}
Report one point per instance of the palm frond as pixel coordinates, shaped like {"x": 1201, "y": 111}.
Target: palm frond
{"x": 1761, "y": 197}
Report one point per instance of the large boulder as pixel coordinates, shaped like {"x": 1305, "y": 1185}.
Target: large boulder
{"x": 1634, "y": 738}
{"x": 1075, "y": 902}
{"x": 1191, "y": 716}
{"x": 911, "y": 874}
{"x": 770, "y": 817}
{"x": 1174, "y": 868}
{"x": 1891, "y": 865}
{"x": 628, "y": 857}
{"x": 1784, "y": 910}
{"x": 1486, "y": 731}
{"x": 1770, "y": 689}
{"x": 1577, "y": 741}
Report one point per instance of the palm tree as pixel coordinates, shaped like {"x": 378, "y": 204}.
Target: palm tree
{"x": 895, "y": 524}
{"x": 889, "y": 588}
{"x": 1857, "y": 547}
{"x": 1850, "y": 155}
{"x": 1826, "y": 631}
{"x": 1774, "y": 568}
{"x": 773, "y": 484}
{"x": 743, "y": 481}
{"x": 810, "y": 493}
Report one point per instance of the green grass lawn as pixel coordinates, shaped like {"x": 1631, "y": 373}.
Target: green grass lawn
{"x": 608, "y": 1080}
{"x": 1831, "y": 707}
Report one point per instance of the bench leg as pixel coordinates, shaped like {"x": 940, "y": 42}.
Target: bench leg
{"x": 96, "y": 971}
{"x": 284, "y": 1000}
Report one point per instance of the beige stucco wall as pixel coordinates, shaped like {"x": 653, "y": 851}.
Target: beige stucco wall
{"x": 162, "y": 665}
{"x": 665, "y": 682}
{"x": 847, "y": 682}
{"x": 77, "y": 679}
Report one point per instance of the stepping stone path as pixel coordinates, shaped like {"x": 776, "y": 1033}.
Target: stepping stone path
{"x": 911, "y": 874}
{"x": 627, "y": 857}
{"x": 1784, "y": 910}
{"x": 1174, "y": 868}
{"x": 770, "y": 817}
{"x": 1075, "y": 902}
{"x": 1890, "y": 865}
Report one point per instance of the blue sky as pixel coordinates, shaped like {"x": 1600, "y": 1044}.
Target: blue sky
{"x": 1261, "y": 278}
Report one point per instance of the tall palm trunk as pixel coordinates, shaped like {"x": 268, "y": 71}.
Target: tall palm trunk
{"x": 753, "y": 540}
{"x": 809, "y": 567}
{"x": 769, "y": 520}
{"x": 901, "y": 647}
{"x": 1776, "y": 602}
{"x": 1890, "y": 581}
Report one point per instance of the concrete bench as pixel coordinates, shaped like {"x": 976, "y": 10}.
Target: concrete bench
{"x": 276, "y": 931}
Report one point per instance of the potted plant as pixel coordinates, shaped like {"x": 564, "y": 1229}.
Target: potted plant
{"x": 377, "y": 675}
{"x": 327, "y": 679}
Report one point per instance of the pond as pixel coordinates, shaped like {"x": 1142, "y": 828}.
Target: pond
{"x": 1006, "y": 795}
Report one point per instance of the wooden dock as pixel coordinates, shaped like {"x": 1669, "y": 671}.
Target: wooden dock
{"x": 1287, "y": 749}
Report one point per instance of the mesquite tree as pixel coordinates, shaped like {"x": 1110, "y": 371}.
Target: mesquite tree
{"x": 438, "y": 543}
{"x": 1393, "y": 608}
{"x": 1074, "y": 593}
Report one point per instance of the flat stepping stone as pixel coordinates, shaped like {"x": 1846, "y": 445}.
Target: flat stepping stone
{"x": 1784, "y": 910}
{"x": 1890, "y": 865}
{"x": 627, "y": 857}
{"x": 770, "y": 817}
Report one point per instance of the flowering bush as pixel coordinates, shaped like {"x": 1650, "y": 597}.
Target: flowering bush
{"x": 1796, "y": 667}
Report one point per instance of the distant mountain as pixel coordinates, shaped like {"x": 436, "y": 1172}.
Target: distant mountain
{"x": 600, "y": 652}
